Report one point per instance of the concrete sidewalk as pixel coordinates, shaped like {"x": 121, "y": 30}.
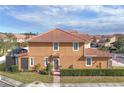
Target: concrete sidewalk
{"x": 10, "y": 81}
{"x": 92, "y": 84}
{"x": 4, "y": 84}
{"x": 56, "y": 83}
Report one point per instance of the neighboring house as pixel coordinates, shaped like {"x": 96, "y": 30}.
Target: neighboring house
{"x": 112, "y": 39}
{"x": 63, "y": 50}
{"x": 104, "y": 40}
{"x": 20, "y": 38}
{"x": 3, "y": 37}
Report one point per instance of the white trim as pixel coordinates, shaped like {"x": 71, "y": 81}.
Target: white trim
{"x": 86, "y": 61}
{"x": 73, "y": 46}
{"x": 53, "y": 46}
{"x": 91, "y": 55}
{"x": 58, "y": 62}
{"x": 30, "y": 62}
{"x": 44, "y": 61}
{"x": 16, "y": 61}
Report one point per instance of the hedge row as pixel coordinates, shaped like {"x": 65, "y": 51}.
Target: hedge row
{"x": 92, "y": 72}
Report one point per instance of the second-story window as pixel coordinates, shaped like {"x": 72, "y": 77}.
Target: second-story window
{"x": 55, "y": 46}
{"x": 75, "y": 46}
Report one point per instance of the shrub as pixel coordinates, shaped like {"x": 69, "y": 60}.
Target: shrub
{"x": 14, "y": 68}
{"x": 92, "y": 72}
{"x": 49, "y": 68}
{"x": 2, "y": 67}
{"x": 43, "y": 72}
{"x": 37, "y": 67}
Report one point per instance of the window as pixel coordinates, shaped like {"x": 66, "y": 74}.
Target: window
{"x": 46, "y": 60}
{"x": 55, "y": 46}
{"x": 16, "y": 61}
{"x": 75, "y": 46}
{"x": 88, "y": 61}
{"x": 31, "y": 61}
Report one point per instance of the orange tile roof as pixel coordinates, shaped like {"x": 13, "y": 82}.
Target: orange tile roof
{"x": 56, "y": 35}
{"x": 96, "y": 53}
{"x": 103, "y": 36}
{"x": 19, "y": 36}
{"x": 83, "y": 36}
{"x": 2, "y": 35}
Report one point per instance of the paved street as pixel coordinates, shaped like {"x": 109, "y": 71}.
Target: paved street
{"x": 2, "y": 84}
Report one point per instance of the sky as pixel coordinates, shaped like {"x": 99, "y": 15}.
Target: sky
{"x": 86, "y": 19}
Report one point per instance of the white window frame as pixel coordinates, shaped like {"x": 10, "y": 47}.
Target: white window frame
{"x": 53, "y": 46}
{"x": 73, "y": 46}
{"x": 16, "y": 61}
{"x": 30, "y": 62}
{"x": 91, "y": 61}
{"x": 44, "y": 61}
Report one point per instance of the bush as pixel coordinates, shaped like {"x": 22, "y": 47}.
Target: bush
{"x": 49, "y": 68}
{"x": 92, "y": 72}
{"x": 43, "y": 72}
{"x": 2, "y": 67}
{"x": 37, "y": 67}
{"x": 14, "y": 68}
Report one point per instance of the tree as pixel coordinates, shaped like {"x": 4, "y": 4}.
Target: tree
{"x": 7, "y": 43}
{"x": 119, "y": 44}
{"x": 104, "y": 48}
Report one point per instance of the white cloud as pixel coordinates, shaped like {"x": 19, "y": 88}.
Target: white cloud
{"x": 107, "y": 10}
{"x": 109, "y": 17}
{"x": 102, "y": 10}
{"x": 99, "y": 25}
{"x": 31, "y": 17}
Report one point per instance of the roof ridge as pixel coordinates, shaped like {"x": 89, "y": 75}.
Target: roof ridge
{"x": 54, "y": 30}
{"x": 40, "y": 35}
{"x": 70, "y": 34}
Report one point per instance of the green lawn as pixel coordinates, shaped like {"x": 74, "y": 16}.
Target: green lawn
{"x": 117, "y": 67}
{"x": 27, "y": 77}
{"x": 91, "y": 79}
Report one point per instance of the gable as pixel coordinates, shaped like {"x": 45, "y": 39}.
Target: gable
{"x": 56, "y": 35}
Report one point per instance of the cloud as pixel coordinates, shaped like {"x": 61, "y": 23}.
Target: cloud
{"x": 65, "y": 11}
{"x": 108, "y": 19}
{"x": 102, "y": 10}
{"x": 30, "y": 17}
{"x": 105, "y": 25}
{"x": 105, "y": 10}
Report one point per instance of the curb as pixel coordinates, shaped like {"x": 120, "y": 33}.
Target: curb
{"x": 10, "y": 81}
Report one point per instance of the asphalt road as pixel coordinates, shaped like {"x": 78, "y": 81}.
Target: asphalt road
{"x": 2, "y": 84}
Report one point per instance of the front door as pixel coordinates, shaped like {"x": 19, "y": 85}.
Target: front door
{"x": 56, "y": 64}
{"x": 24, "y": 63}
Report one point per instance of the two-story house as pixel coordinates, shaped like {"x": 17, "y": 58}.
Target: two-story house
{"x": 63, "y": 50}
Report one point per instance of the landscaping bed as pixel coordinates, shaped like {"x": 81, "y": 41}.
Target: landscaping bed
{"x": 91, "y": 79}
{"x": 27, "y": 77}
